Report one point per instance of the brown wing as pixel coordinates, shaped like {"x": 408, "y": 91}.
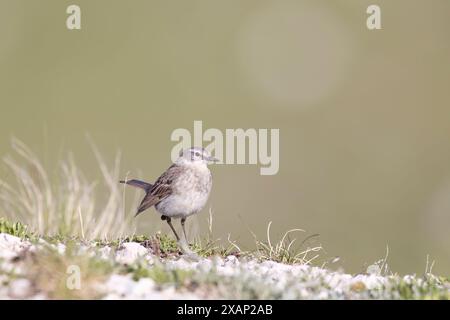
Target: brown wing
{"x": 160, "y": 189}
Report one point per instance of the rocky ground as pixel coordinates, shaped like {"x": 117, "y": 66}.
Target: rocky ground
{"x": 42, "y": 269}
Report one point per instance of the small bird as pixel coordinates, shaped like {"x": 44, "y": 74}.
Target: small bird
{"x": 181, "y": 191}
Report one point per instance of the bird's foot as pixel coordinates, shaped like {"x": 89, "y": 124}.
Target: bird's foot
{"x": 187, "y": 252}
{"x": 192, "y": 256}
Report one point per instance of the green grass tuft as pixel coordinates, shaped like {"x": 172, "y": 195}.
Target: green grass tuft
{"x": 14, "y": 228}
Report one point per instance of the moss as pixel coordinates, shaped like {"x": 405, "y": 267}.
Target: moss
{"x": 167, "y": 244}
{"x": 159, "y": 274}
{"x": 139, "y": 272}
{"x": 14, "y": 228}
{"x": 163, "y": 276}
{"x": 427, "y": 287}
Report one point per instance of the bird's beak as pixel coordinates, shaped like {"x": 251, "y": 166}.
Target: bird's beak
{"x": 212, "y": 159}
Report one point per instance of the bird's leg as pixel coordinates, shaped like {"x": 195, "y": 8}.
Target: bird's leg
{"x": 169, "y": 222}
{"x": 188, "y": 253}
{"x": 183, "y": 220}
{"x": 184, "y": 242}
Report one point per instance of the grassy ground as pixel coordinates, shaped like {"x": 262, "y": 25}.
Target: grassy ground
{"x": 41, "y": 268}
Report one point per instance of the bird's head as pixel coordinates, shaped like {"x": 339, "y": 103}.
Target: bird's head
{"x": 196, "y": 155}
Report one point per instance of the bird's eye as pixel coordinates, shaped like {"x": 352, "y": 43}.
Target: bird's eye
{"x": 197, "y": 154}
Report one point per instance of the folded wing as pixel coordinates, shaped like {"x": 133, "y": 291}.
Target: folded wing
{"x": 160, "y": 190}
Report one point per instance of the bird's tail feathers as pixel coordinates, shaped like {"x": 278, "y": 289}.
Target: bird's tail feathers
{"x": 138, "y": 184}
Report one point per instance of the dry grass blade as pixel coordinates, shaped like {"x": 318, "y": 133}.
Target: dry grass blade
{"x": 284, "y": 251}
{"x": 67, "y": 204}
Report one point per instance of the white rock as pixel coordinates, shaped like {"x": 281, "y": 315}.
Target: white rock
{"x": 323, "y": 295}
{"x": 85, "y": 249}
{"x": 143, "y": 287}
{"x": 371, "y": 281}
{"x": 11, "y": 246}
{"x": 204, "y": 264}
{"x": 180, "y": 263}
{"x": 233, "y": 260}
{"x": 105, "y": 253}
{"x": 373, "y": 269}
{"x": 130, "y": 252}
{"x": 59, "y": 247}
{"x": 3, "y": 293}
{"x": 119, "y": 285}
{"x": 20, "y": 288}
{"x": 270, "y": 264}
{"x": 123, "y": 287}
{"x": 227, "y": 271}
{"x": 39, "y": 296}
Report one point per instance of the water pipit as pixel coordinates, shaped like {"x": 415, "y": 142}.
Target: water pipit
{"x": 181, "y": 191}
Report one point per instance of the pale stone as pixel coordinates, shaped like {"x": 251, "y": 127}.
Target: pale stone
{"x": 20, "y": 288}
{"x": 130, "y": 252}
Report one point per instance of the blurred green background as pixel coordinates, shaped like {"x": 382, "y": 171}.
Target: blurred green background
{"x": 364, "y": 116}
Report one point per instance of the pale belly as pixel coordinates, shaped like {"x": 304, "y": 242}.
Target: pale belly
{"x": 182, "y": 205}
{"x": 190, "y": 192}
